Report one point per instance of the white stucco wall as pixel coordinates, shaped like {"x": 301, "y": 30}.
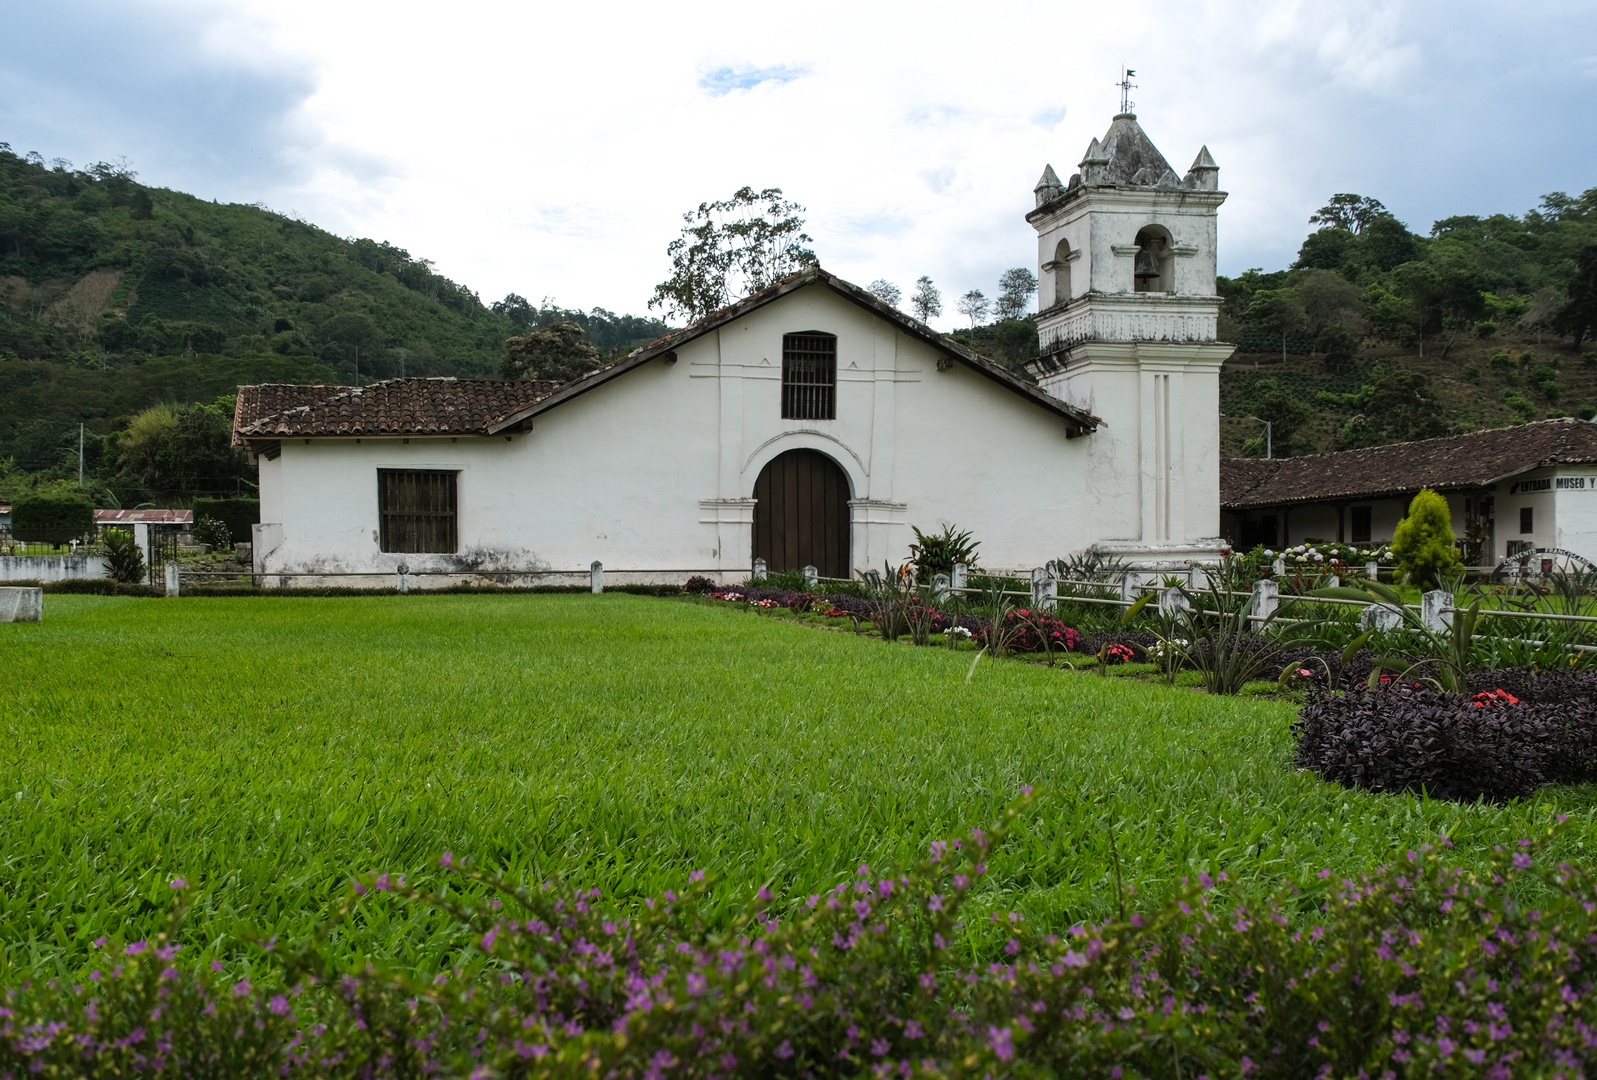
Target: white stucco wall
{"x": 1575, "y": 510}
{"x": 655, "y": 469}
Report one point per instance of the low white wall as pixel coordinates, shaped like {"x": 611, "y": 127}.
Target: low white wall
{"x": 51, "y": 567}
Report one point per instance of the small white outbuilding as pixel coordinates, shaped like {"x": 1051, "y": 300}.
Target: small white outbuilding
{"x": 808, "y": 424}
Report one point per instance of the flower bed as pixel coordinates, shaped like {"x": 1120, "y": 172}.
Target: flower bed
{"x": 1514, "y": 732}
{"x": 1415, "y": 970}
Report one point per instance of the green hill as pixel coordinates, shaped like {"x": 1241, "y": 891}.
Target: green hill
{"x": 115, "y": 296}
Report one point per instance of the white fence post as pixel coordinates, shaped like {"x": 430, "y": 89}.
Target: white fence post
{"x": 1372, "y": 570}
{"x": 1266, "y": 598}
{"x": 401, "y": 582}
{"x": 596, "y": 576}
{"x": 1044, "y": 588}
{"x": 1279, "y": 566}
{"x": 811, "y": 576}
{"x": 1380, "y": 617}
{"x": 1173, "y": 601}
{"x": 940, "y": 586}
{"x": 1434, "y": 613}
{"x": 759, "y": 570}
{"x": 1128, "y": 586}
{"x": 960, "y": 578}
{"x": 172, "y": 583}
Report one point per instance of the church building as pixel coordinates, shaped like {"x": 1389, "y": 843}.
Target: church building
{"x": 809, "y": 424}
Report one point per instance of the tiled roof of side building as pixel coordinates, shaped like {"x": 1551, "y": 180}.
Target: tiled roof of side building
{"x": 1455, "y": 461}
{"x": 392, "y": 407}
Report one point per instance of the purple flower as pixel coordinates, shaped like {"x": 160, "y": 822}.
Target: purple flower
{"x": 697, "y": 875}
{"x": 241, "y": 988}
{"x": 446, "y": 860}
{"x": 935, "y": 903}
{"x": 488, "y": 939}
{"x": 913, "y": 1030}
{"x": 134, "y": 949}
{"x": 179, "y": 883}
{"x": 999, "y": 1040}
{"x": 1521, "y": 861}
{"x": 278, "y": 1006}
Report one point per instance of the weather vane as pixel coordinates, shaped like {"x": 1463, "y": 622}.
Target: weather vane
{"x": 1126, "y": 86}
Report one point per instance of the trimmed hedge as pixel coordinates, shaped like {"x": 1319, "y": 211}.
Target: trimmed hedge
{"x": 52, "y": 516}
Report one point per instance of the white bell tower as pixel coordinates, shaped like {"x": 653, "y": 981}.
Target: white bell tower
{"x": 1126, "y": 254}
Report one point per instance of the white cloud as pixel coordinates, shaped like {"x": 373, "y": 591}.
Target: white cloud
{"x": 551, "y": 150}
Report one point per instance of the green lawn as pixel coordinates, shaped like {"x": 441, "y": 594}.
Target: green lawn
{"x": 267, "y": 749}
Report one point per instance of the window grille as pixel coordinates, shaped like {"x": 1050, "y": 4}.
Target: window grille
{"x": 417, "y": 510}
{"x": 809, "y": 376}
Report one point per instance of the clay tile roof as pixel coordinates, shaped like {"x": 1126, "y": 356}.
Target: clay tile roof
{"x": 1454, "y": 462}
{"x": 391, "y": 407}
{"x": 144, "y": 517}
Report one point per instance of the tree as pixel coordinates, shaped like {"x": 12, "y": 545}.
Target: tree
{"x": 555, "y": 352}
{"x": 927, "y": 301}
{"x": 1286, "y": 415}
{"x": 1578, "y": 316}
{"x": 1399, "y": 407}
{"x": 730, "y": 249}
{"x": 973, "y": 305}
{"x": 1278, "y": 309}
{"x": 522, "y": 313}
{"x": 1329, "y": 299}
{"x": 1015, "y": 289}
{"x": 1338, "y": 345}
{"x": 52, "y": 515}
{"x": 1326, "y": 249}
{"x": 181, "y": 451}
{"x": 886, "y": 292}
{"x": 1349, "y": 212}
{"x": 349, "y": 335}
{"x": 1423, "y": 542}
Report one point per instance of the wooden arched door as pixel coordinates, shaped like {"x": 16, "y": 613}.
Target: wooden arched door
{"x": 801, "y": 514}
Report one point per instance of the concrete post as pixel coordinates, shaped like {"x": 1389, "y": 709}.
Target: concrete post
{"x": 1433, "y": 610}
{"x": 1128, "y": 586}
{"x": 1380, "y": 617}
{"x": 172, "y": 582}
{"x": 1044, "y": 588}
{"x": 1332, "y": 581}
{"x": 940, "y": 585}
{"x": 811, "y": 576}
{"x": 960, "y": 578}
{"x": 1266, "y": 598}
{"x": 596, "y": 576}
{"x": 1372, "y": 570}
{"x": 1173, "y": 601}
{"x": 401, "y": 580}
{"x": 1279, "y": 566}
{"x": 141, "y": 537}
{"x": 1197, "y": 577}
{"x": 21, "y": 605}
{"x": 759, "y": 570}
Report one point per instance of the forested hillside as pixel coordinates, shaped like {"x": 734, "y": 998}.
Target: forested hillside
{"x": 115, "y": 296}
{"x": 1377, "y": 334}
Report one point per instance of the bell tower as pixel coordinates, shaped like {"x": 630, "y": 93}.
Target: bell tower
{"x": 1127, "y": 326}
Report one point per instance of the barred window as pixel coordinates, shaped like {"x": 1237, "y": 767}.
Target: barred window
{"x": 809, "y": 376}
{"x": 416, "y": 510}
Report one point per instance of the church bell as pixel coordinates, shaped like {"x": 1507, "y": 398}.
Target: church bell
{"x": 1146, "y": 268}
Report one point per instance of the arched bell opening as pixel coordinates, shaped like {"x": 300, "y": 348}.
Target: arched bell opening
{"x": 1153, "y": 269}
{"x": 1061, "y": 272}
{"x": 801, "y": 514}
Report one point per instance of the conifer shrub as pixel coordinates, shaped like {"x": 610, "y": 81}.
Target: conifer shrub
{"x": 1423, "y": 543}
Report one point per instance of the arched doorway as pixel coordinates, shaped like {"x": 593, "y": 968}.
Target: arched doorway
{"x": 801, "y": 514}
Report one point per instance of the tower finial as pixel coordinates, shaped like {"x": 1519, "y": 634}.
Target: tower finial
{"x": 1126, "y": 86}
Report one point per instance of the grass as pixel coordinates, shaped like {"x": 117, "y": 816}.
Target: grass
{"x": 267, "y": 749}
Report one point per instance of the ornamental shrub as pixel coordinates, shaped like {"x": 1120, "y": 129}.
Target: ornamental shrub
{"x": 52, "y": 515}
{"x": 1407, "y": 736}
{"x": 1423, "y": 542}
{"x": 1504, "y": 365}
{"x": 213, "y": 531}
{"x": 125, "y": 560}
{"x": 937, "y": 553}
{"x": 239, "y": 515}
{"x": 698, "y": 584}
{"x": 1025, "y": 630}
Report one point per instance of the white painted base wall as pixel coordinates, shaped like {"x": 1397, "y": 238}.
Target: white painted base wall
{"x": 45, "y": 568}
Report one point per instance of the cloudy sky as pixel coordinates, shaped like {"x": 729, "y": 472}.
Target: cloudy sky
{"x": 551, "y": 150}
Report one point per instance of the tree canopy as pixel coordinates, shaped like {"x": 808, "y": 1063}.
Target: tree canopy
{"x": 731, "y": 248}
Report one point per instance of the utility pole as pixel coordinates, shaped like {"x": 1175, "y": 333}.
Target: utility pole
{"x": 80, "y": 454}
